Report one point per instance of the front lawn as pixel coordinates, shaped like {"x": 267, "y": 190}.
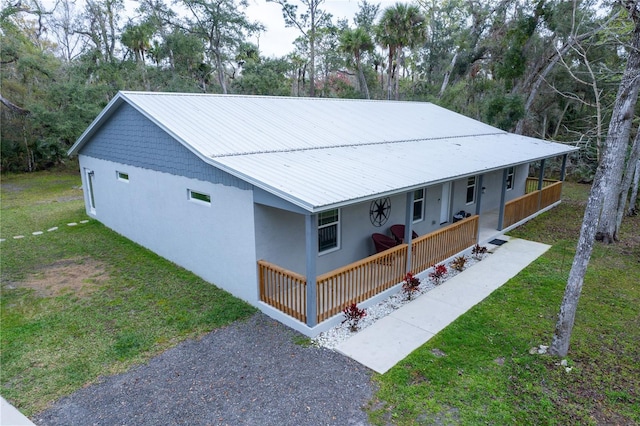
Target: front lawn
{"x": 480, "y": 369}
{"x": 80, "y": 302}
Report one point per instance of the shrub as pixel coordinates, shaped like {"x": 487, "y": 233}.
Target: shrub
{"x": 478, "y": 251}
{"x": 353, "y": 315}
{"x": 439, "y": 271}
{"x": 458, "y": 263}
{"x": 410, "y": 285}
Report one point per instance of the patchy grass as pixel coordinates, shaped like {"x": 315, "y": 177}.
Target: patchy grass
{"x": 479, "y": 370}
{"x": 83, "y": 302}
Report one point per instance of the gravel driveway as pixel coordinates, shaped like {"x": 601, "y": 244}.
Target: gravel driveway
{"x": 249, "y": 373}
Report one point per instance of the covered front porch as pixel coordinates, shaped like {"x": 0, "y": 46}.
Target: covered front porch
{"x": 314, "y": 300}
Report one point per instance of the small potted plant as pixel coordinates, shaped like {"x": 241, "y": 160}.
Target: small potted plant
{"x": 410, "y": 285}
{"x": 353, "y": 315}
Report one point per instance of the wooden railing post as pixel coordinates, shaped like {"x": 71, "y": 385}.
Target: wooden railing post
{"x": 541, "y": 181}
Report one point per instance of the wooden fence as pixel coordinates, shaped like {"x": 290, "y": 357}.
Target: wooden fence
{"x": 283, "y": 289}
{"x": 526, "y": 205}
{"x": 532, "y": 184}
{"x": 437, "y": 246}
{"x": 360, "y": 281}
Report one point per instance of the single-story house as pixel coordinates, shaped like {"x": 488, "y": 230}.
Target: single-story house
{"x": 278, "y": 200}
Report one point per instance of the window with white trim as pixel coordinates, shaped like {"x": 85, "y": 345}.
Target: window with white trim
{"x": 511, "y": 172}
{"x": 471, "y": 190}
{"x": 123, "y": 177}
{"x": 90, "y": 176}
{"x": 199, "y": 197}
{"x": 328, "y": 230}
{"x": 418, "y": 205}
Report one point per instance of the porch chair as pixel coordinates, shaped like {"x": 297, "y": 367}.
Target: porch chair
{"x": 398, "y": 233}
{"x": 382, "y": 242}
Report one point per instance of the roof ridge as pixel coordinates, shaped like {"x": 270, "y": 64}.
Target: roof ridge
{"x": 275, "y": 151}
{"x": 241, "y": 95}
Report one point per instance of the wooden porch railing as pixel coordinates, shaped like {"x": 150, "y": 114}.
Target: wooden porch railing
{"x": 360, "y": 281}
{"x": 283, "y": 289}
{"x": 532, "y": 184}
{"x": 526, "y": 205}
{"x": 429, "y": 249}
{"x": 550, "y": 194}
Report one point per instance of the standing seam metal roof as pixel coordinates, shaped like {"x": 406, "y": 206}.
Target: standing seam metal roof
{"x": 322, "y": 153}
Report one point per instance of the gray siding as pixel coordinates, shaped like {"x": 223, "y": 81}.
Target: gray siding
{"x": 128, "y": 137}
{"x": 215, "y": 241}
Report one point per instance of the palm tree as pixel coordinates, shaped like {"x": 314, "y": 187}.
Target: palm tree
{"x": 401, "y": 26}
{"x": 356, "y": 42}
{"x": 138, "y": 39}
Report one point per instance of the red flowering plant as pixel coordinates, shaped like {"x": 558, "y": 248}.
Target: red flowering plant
{"x": 410, "y": 285}
{"x": 439, "y": 271}
{"x": 353, "y": 315}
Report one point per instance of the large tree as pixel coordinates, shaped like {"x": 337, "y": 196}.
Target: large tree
{"x": 309, "y": 22}
{"x": 356, "y": 42}
{"x": 400, "y": 26}
{"x": 605, "y": 181}
{"x": 223, "y": 26}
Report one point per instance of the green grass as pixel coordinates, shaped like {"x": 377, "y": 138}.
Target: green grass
{"x": 60, "y": 333}
{"x": 487, "y": 374}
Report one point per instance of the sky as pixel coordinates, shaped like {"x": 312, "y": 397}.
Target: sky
{"x": 277, "y": 40}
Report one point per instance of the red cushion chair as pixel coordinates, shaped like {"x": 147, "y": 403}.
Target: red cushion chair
{"x": 398, "y": 233}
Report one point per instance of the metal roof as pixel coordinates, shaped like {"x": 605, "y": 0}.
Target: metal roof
{"x": 322, "y": 153}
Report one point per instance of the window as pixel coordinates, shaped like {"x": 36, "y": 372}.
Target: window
{"x": 418, "y": 205}
{"x": 199, "y": 197}
{"x": 90, "y": 176}
{"x": 471, "y": 190}
{"x": 124, "y": 177}
{"x": 510, "y": 177}
{"x": 328, "y": 230}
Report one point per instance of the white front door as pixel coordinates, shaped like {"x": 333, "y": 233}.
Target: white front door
{"x": 445, "y": 202}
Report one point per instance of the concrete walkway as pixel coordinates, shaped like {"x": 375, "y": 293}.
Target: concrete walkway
{"x": 10, "y": 416}
{"x": 390, "y": 339}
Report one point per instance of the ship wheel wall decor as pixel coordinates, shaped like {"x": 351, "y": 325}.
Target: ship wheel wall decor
{"x": 379, "y": 211}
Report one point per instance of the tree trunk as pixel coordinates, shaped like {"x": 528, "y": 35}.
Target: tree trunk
{"x": 614, "y": 147}
{"x": 634, "y": 191}
{"x": 390, "y": 73}
{"x": 618, "y": 137}
{"x": 566, "y": 318}
{"x": 363, "y": 81}
{"x": 396, "y": 75}
{"x": 447, "y": 75}
{"x": 626, "y": 181}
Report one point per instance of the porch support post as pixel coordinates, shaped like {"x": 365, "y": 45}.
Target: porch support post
{"x": 311, "y": 249}
{"x": 503, "y": 197}
{"x": 479, "y": 193}
{"x": 563, "y": 169}
{"x": 541, "y": 177}
{"x": 408, "y": 223}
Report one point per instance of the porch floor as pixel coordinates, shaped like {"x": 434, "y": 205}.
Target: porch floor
{"x": 488, "y": 227}
{"x": 389, "y": 340}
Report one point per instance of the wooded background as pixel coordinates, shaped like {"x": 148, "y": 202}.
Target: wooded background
{"x": 548, "y": 68}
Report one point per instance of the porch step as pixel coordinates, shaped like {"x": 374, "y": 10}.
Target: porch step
{"x": 389, "y": 340}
